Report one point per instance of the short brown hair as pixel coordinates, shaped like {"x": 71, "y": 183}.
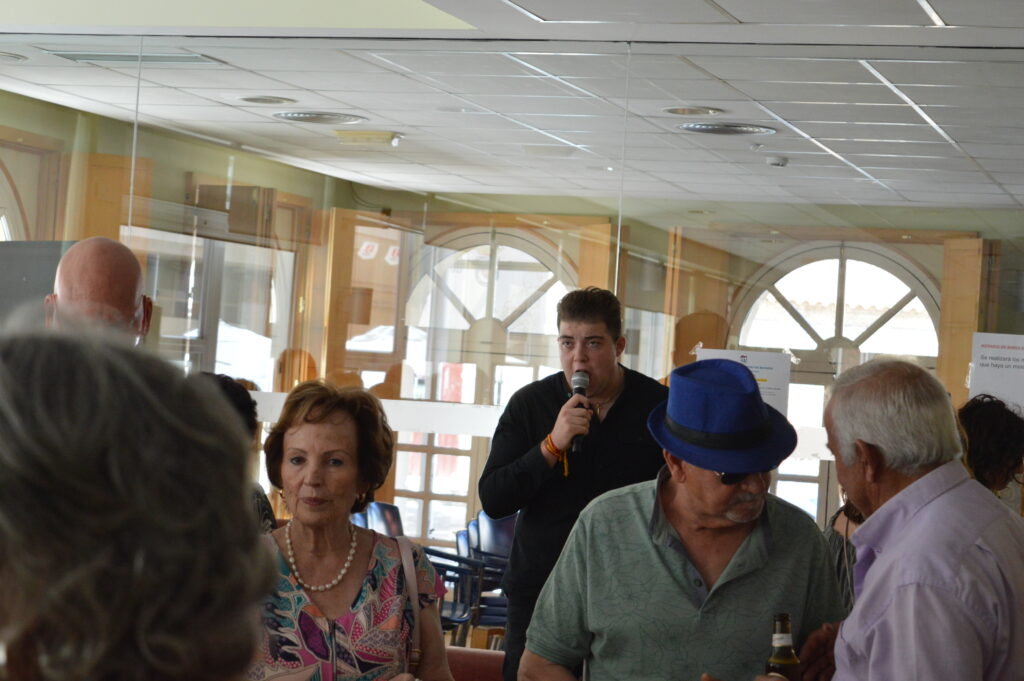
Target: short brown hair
{"x": 314, "y": 402}
{"x": 592, "y": 304}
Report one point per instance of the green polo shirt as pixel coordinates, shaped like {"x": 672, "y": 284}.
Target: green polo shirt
{"x": 625, "y": 598}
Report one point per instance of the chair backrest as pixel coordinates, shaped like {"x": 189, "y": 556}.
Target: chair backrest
{"x": 473, "y": 531}
{"x": 496, "y": 533}
{"x": 384, "y": 518}
{"x": 359, "y": 519}
{"x": 462, "y": 544}
{"x": 460, "y": 605}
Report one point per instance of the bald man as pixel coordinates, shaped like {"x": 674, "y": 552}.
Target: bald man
{"x": 100, "y": 279}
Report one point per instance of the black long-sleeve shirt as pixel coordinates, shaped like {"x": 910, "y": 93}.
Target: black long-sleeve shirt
{"x": 617, "y": 451}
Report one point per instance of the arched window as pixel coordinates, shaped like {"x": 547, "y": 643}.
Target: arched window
{"x": 833, "y": 306}
{"x": 481, "y": 316}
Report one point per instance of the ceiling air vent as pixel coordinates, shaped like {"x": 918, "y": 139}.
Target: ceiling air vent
{"x": 326, "y": 117}
{"x": 727, "y": 128}
{"x": 135, "y": 57}
{"x": 267, "y": 99}
{"x": 693, "y": 111}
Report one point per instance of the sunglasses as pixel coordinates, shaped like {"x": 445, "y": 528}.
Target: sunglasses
{"x": 737, "y": 478}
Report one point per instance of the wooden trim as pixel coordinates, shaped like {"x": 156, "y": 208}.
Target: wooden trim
{"x": 23, "y": 216}
{"x": 51, "y": 180}
{"x": 821, "y": 233}
{"x": 29, "y": 141}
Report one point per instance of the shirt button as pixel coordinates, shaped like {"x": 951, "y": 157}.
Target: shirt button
{"x": 697, "y": 582}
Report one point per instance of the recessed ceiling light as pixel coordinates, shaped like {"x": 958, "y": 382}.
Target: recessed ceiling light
{"x": 727, "y": 128}
{"x": 326, "y": 117}
{"x": 10, "y": 56}
{"x": 386, "y": 138}
{"x": 267, "y": 99}
{"x": 693, "y": 110}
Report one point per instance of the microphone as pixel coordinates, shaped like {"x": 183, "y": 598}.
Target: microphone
{"x": 580, "y": 382}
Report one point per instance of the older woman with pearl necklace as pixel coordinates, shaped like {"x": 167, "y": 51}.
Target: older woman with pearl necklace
{"x": 342, "y": 605}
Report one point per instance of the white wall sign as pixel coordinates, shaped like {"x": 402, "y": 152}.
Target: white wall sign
{"x": 997, "y": 366}
{"x": 771, "y": 369}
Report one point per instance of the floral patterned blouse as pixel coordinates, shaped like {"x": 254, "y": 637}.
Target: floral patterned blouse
{"x": 371, "y": 641}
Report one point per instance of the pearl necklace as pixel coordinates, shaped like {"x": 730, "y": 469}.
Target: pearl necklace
{"x": 295, "y": 570}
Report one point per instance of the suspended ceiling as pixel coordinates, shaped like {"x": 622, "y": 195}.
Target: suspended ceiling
{"x": 874, "y": 104}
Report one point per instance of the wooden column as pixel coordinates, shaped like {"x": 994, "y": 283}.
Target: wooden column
{"x": 968, "y": 271}
{"x": 697, "y": 294}
{"x": 108, "y": 179}
{"x": 596, "y": 256}
{"x": 338, "y": 284}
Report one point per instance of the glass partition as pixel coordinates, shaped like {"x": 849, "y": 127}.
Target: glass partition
{"x": 415, "y": 238}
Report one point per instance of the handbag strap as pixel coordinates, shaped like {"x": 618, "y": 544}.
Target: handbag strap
{"x": 405, "y": 548}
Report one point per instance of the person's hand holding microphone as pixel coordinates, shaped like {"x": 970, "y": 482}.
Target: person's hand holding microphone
{"x": 572, "y": 423}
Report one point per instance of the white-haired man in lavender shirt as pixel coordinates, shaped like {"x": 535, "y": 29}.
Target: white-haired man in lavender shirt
{"x": 939, "y": 578}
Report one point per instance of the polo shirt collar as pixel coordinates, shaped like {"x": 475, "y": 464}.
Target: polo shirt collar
{"x": 751, "y": 555}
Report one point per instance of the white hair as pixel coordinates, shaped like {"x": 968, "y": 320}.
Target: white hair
{"x": 899, "y": 408}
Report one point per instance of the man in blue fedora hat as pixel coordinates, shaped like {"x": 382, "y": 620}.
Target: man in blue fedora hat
{"x": 683, "y": 574}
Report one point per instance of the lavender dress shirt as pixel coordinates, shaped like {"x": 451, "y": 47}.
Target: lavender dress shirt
{"x": 940, "y": 587}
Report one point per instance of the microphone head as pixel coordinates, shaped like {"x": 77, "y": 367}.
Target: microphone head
{"x": 580, "y": 382}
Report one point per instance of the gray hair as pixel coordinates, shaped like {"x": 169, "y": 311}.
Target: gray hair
{"x": 128, "y": 549}
{"x": 899, "y": 408}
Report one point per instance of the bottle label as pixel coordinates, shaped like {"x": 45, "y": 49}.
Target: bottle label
{"x": 782, "y": 640}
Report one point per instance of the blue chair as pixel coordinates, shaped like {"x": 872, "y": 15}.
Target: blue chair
{"x": 359, "y": 519}
{"x": 462, "y": 544}
{"x": 461, "y": 576}
{"x": 473, "y": 533}
{"x": 384, "y": 518}
{"x": 496, "y": 534}
{"x": 493, "y": 548}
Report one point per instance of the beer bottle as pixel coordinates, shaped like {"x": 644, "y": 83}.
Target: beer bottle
{"x": 783, "y": 663}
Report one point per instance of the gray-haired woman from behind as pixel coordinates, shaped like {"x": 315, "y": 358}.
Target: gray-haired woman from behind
{"x": 127, "y": 545}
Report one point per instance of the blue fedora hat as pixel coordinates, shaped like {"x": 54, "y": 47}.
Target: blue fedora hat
{"x": 714, "y": 418}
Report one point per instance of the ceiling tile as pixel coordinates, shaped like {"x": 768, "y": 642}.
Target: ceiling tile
{"x": 845, "y": 113}
{"x": 346, "y": 82}
{"x": 645, "y": 88}
{"x": 304, "y": 99}
{"x": 634, "y": 12}
{"x": 975, "y": 74}
{"x": 867, "y": 13}
{"x": 871, "y": 131}
{"x": 1003, "y": 151}
{"x": 520, "y": 104}
{"x": 786, "y": 69}
{"x": 285, "y": 57}
{"x": 955, "y": 115}
{"x": 66, "y": 75}
{"x": 1003, "y": 13}
{"x": 606, "y": 124}
{"x": 959, "y": 95}
{"x": 126, "y": 95}
{"x": 208, "y": 78}
{"x": 462, "y": 63}
{"x": 846, "y": 93}
{"x": 503, "y": 85}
